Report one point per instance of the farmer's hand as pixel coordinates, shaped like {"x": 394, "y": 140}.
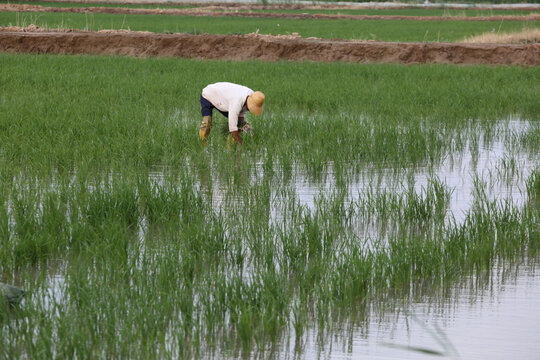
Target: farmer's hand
{"x": 236, "y": 137}
{"x": 246, "y": 128}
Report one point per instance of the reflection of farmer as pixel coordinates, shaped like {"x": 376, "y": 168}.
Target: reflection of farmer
{"x": 231, "y": 100}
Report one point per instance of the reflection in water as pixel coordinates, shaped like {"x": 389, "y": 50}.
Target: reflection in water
{"x": 503, "y": 169}
{"x": 490, "y": 316}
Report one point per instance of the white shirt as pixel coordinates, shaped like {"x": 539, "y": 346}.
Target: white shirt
{"x": 228, "y": 97}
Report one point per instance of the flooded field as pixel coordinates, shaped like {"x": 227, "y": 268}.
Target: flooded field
{"x": 350, "y": 215}
{"x": 496, "y": 307}
{"x": 403, "y": 225}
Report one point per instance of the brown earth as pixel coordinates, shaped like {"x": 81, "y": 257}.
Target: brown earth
{"x": 260, "y": 47}
{"x": 212, "y": 11}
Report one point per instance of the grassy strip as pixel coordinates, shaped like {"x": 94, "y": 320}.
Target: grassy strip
{"x": 388, "y": 11}
{"x": 399, "y": 30}
{"x": 62, "y": 4}
{"x": 406, "y": 12}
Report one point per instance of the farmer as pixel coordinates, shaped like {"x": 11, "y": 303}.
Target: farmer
{"x": 232, "y": 101}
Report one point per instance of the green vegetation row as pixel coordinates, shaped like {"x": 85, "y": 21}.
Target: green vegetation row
{"x": 389, "y": 30}
{"x": 62, "y": 4}
{"x": 388, "y": 11}
{"x": 408, "y": 12}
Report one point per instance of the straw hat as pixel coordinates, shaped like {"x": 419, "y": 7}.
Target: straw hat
{"x": 255, "y": 103}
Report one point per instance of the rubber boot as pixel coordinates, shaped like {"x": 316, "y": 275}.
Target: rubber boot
{"x": 230, "y": 142}
{"x": 205, "y": 128}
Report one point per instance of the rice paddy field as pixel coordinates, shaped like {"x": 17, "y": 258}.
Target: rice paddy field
{"x": 399, "y": 30}
{"x": 393, "y": 30}
{"x": 411, "y": 11}
{"x": 376, "y": 210}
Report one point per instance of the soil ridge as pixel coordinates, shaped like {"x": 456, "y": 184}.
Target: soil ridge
{"x": 260, "y": 47}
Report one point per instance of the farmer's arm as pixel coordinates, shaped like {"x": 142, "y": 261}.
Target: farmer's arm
{"x": 234, "y": 116}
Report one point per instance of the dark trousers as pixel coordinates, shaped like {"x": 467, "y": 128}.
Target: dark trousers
{"x": 207, "y": 107}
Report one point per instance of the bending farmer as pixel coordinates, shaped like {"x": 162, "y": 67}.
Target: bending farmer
{"x": 232, "y": 101}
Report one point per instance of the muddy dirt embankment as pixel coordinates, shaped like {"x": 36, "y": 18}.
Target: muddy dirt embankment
{"x": 260, "y": 47}
{"x": 226, "y": 11}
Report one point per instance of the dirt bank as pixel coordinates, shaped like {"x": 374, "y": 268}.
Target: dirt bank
{"x": 260, "y": 47}
{"x": 223, "y": 11}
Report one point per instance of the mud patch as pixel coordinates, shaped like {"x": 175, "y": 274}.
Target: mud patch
{"x": 259, "y": 47}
